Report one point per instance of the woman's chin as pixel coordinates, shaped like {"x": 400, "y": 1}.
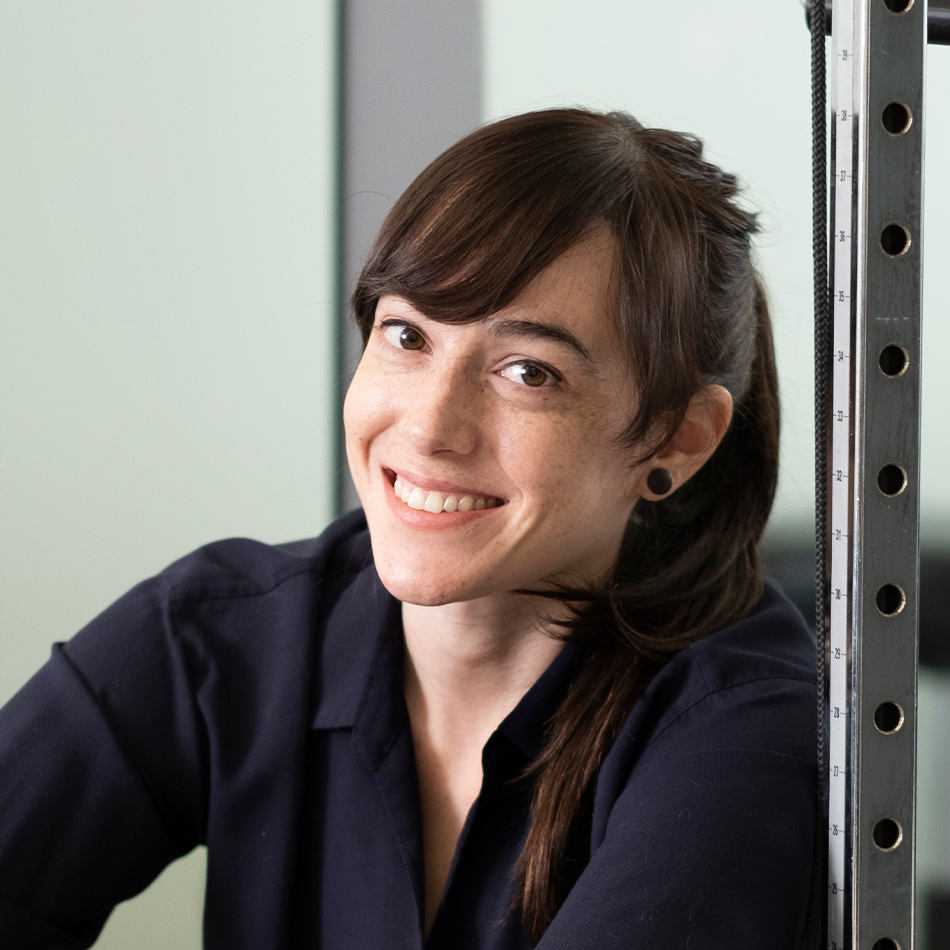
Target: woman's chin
{"x": 422, "y": 591}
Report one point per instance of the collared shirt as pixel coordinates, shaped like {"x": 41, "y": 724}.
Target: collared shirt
{"x": 250, "y": 698}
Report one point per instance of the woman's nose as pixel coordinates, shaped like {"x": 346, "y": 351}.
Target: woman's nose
{"x": 441, "y": 410}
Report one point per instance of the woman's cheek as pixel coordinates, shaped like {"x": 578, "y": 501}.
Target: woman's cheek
{"x": 364, "y": 418}
{"x": 369, "y": 403}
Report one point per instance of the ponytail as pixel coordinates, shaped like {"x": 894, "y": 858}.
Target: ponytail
{"x": 703, "y": 540}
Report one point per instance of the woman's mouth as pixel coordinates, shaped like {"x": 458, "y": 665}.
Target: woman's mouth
{"x": 438, "y": 501}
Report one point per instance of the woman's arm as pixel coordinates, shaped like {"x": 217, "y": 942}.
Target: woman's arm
{"x": 180, "y": 716}
{"x": 99, "y": 763}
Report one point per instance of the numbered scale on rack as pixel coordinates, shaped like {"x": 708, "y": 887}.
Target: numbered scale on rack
{"x": 839, "y": 558}
{"x": 873, "y": 477}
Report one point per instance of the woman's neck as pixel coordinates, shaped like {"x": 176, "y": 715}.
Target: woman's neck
{"x": 470, "y": 663}
{"x": 466, "y": 667}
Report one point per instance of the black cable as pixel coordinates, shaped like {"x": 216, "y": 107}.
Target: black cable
{"x": 815, "y": 933}
{"x": 823, "y": 343}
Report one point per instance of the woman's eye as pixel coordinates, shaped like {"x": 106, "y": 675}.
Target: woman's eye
{"x": 404, "y": 336}
{"x": 529, "y": 374}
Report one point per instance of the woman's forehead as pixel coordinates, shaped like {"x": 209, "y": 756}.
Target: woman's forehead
{"x": 577, "y": 290}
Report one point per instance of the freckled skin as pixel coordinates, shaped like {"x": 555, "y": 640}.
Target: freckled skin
{"x": 445, "y": 411}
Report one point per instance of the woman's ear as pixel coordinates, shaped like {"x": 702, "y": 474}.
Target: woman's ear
{"x": 697, "y": 437}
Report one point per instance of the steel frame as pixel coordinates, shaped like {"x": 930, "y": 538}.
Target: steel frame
{"x": 873, "y": 478}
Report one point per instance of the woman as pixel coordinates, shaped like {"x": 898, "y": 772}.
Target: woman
{"x": 545, "y": 699}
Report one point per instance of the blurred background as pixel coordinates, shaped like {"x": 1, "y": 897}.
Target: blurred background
{"x": 187, "y": 193}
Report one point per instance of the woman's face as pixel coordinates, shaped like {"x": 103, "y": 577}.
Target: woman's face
{"x": 500, "y": 437}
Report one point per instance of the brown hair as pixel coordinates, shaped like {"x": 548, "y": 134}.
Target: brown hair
{"x": 464, "y": 240}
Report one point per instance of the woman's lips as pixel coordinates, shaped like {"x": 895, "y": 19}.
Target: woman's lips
{"x": 421, "y": 494}
{"x": 435, "y": 501}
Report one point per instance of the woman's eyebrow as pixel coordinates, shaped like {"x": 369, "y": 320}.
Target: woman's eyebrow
{"x": 544, "y": 331}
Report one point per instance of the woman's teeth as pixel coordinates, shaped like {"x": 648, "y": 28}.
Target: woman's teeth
{"x": 435, "y": 501}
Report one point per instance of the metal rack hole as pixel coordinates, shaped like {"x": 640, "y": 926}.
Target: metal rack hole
{"x": 890, "y": 600}
{"x": 887, "y": 834}
{"x": 898, "y": 6}
{"x": 892, "y": 480}
{"x": 885, "y": 943}
{"x": 893, "y": 360}
{"x": 888, "y": 717}
{"x": 896, "y": 118}
{"x": 895, "y": 240}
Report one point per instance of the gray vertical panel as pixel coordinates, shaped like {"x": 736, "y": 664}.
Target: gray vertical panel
{"x": 411, "y": 87}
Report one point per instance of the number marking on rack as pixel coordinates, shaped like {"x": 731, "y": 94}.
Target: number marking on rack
{"x": 840, "y": 553}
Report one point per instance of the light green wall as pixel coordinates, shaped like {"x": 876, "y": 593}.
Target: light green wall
{"x": 166, "y": 334}
{"x": 737, "y": 75}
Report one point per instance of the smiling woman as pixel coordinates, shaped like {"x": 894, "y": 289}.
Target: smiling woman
{"x": 522, "y": 413}
{"x": 536, "y": 692}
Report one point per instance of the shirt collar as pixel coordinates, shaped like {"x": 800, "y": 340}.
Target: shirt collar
{"x": 526, "y": 724}
{"x": 355, "y": 612}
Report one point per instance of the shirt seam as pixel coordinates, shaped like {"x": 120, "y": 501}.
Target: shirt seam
{"x": 50, "y": 928}
{"x": 191, "y": 598}
{"x": 175, "y": 827}
{"x": 203, "y": 739}
{"x": 714, "y": 692}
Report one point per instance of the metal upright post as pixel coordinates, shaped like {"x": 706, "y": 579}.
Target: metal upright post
{"x": 873, "y": 486}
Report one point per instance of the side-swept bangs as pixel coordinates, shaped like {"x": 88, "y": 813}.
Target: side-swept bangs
{"x": 491, "y": 213}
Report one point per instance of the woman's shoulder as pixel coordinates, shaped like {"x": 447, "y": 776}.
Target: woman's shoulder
{"x": 233, "y": 610}
{"x": 243, "y": 567}
{"x": 747, "y": 691}
{"x": 772, "y": 643}
{"x": 769, "y": 653}
{"x": 226, "y": 649}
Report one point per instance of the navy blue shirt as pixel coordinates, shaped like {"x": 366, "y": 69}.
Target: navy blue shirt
{"x": 250, "y": 698}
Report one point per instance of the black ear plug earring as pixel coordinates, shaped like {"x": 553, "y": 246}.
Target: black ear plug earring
{"x": 660, "y": 481}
